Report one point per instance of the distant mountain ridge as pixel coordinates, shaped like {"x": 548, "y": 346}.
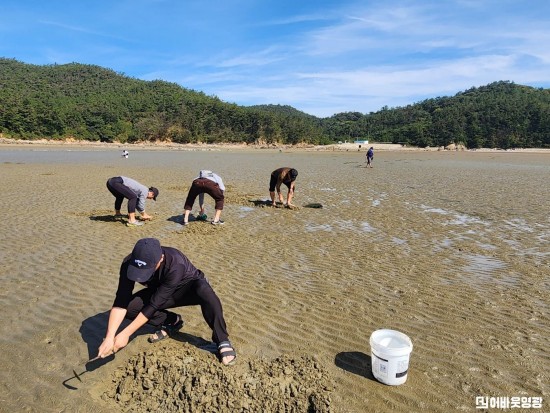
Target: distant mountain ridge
{"x": 93, "y": 103}
{"x": 282, "y": 109}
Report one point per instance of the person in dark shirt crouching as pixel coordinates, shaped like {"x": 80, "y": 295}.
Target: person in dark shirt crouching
{"x": 171, "y": 280}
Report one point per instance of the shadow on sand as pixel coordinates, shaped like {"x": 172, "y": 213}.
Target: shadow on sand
{"x": 178, "y": 219}
{"x": 261, "y": 202}
{"x": 92, "y": 331}
{"x": 108, "y": 218}
{"x": 355, "y": 362}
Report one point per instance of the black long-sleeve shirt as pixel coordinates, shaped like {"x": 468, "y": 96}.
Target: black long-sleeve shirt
{"x": 175, "y": 271}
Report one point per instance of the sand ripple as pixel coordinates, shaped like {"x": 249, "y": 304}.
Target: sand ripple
{"x": 451, "y": 249}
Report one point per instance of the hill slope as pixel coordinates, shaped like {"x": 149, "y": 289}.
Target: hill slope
{"x": 501, "y": 114}
{"x": 94, "y": 103}
{"x": 90, "y": 102}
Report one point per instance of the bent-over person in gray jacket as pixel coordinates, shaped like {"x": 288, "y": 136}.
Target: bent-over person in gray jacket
{"x": 123, "y": 187}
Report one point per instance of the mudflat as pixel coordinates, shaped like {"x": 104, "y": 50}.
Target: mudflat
{"x": 450, "y": 248}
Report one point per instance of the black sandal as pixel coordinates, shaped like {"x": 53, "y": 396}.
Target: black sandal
{"x": 166, "y": 331}
{"x": 232, "y": 352}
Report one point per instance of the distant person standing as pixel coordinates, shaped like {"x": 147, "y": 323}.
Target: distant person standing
{"x": 122, "y": 187}
{"x": 281, "y": 176}
{"x": 210, "y": 183}
{"x": 370, "y": 157}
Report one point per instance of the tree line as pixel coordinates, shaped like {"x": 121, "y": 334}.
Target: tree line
{"x": 93, "y": 103}
{"x": 499, "y": 115}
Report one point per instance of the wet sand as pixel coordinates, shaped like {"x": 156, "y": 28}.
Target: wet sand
{"x": 451, "y": 248}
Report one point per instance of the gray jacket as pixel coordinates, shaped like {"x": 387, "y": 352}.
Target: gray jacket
{"x": 140, "y": 190}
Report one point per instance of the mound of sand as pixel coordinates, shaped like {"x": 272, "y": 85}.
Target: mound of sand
{"x": 183, "y": 378}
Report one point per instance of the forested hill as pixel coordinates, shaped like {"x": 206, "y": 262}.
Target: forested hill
{"x": 94, "y": 103}
{"x": 499, "y": 115}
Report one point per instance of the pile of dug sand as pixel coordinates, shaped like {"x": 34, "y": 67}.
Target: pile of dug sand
{"x": 186, "y": 379}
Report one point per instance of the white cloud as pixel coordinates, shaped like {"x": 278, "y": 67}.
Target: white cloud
{"x": 261, "y": 58}
{"x": 369, "y": 89}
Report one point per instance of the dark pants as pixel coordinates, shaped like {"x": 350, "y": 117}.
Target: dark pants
{"x": 120, "y": 192}
{"x": 274, "y": 179}
{"x": 197, "y": 292}
{"x": 202, "y": 186}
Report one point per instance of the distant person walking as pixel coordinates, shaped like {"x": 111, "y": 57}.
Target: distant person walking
{"x": 281, "y": 176}
{"x": 122, "y": 187}
{"x": 370, "y": 157}
{"x": 210, "y": 183}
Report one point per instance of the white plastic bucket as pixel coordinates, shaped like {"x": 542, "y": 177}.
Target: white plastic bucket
{"x": 390, "y": 351}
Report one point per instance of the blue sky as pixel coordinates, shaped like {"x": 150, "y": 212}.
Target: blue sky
{"x": 319, "y": 56}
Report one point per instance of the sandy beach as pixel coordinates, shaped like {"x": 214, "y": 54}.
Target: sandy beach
{"x": 451, "y": 248}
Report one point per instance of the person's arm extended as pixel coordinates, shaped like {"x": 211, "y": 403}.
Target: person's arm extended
{"x": 142, "y": 193}
{"x": 122, "y": 338}
{"x": 141, "y": 206}
{"x": 290, "y": 194}
{"x": 116, "y": 316}
{"x": 114, "y": 342}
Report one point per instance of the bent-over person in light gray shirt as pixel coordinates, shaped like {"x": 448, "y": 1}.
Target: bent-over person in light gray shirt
{"x": 210, "y": 183}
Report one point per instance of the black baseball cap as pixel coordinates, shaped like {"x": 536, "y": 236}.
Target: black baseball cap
{"x": 145, "y": 256}
{"x": 155, "y": 192}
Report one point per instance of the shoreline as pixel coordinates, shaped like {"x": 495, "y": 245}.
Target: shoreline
{"x": 343, "y": 147}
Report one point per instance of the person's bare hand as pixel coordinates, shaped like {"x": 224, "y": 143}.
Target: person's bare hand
{"x": 121, "y": 341}
{"x": 106, "y": 348}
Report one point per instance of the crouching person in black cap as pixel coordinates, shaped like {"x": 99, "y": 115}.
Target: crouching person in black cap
{"x": 171, "y": 280}
{"x": 281, "y": 176}
{"x": 122, "y": 187}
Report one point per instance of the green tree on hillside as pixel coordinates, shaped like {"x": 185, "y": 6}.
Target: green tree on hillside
{"x": 93, "y": 103}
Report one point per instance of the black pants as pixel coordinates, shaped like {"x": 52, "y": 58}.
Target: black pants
{"x": 117, "y": 188}
{"x": 197, "y": 292}
{"x": 274, "y": 179}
